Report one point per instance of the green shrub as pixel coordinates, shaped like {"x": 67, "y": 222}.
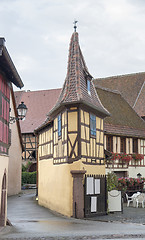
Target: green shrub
{"x": 28, "y": 178}
{"x": 112, "y": 181}
{"x": 25, "y": 167}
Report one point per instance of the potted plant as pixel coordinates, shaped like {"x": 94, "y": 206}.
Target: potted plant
{"x": 125, "y": 158}
{"x": 137, "y": 157}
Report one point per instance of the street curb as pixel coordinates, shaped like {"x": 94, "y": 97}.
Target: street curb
{"x": 1, "y": 228}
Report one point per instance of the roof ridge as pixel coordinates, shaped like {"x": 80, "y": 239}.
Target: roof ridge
{"x": 122, "y": 75}
{"x": 33, "y": 91}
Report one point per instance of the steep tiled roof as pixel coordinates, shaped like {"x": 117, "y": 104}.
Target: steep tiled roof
{"x": 75, "y": 86}
{"x": 139, "y": 105}
{"x": 39, "y": 104}
{"x": 123, "y": 119}
{"x": 128, "y": 85}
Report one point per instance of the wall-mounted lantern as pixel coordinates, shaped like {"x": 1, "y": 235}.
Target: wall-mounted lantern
{"x": 22, "y": 110}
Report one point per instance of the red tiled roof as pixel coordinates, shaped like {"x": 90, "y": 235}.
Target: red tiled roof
{"x": 75, "y": 86}
{"x": 129, "y": 86}
{"x": 39, "y": 103}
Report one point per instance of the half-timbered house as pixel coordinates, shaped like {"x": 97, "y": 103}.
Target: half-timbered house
{"x": 39, "y": 103}
{"x": 71, "y": 141}
{"x": 124, "y": 133}
{"x": 8, "y": 75}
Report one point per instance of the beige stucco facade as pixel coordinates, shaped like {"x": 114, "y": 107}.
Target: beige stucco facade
{"x": 15, "y": 159}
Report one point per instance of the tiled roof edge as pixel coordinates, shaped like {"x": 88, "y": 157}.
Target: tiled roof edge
{"x": 126, "y": 128}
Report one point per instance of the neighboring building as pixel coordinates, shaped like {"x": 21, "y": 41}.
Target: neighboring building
{"x": 131, "y": 87}
{"x": 8, "y": 75}
{"x": 39, "y": 103}
{"x": 124, "y": 133}
{"x": 15, "y": 152}
{"x": 71, "y": 142}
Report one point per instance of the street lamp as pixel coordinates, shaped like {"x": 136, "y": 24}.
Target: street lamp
{"x": 139, "y": 175}
{"x": 22, "y": 110}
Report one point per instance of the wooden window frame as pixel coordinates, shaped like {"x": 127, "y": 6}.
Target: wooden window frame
{"x": 142, "y": 147}
{"x": 135, "y": 145}
{"x": 109, "y": 143}
{"x": 122, "y": 144}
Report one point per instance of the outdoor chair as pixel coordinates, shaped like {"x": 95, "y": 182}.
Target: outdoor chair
{"x": 131, "y": 198}
{"x": 140, "y": 199}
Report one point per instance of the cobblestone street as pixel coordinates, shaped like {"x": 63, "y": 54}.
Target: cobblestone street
{"x": 31, "y": 221}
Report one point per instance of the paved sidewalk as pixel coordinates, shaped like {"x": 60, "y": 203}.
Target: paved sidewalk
{"x": 31, "y": 221}
{"x": 129, "y": 215}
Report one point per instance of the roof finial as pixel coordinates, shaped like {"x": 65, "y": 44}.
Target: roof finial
{"x": 75, "y": 26}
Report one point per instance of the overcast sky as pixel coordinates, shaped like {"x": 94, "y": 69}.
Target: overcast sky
{"x": 38, "y": 32}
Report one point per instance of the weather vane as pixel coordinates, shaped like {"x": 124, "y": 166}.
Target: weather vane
{"x": 75, "y": 25}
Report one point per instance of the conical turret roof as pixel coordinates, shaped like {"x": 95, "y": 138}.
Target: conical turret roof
{"x": 75, "y": 86}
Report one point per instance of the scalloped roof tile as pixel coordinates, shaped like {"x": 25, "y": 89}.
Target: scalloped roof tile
{"x": 75, "y": 85}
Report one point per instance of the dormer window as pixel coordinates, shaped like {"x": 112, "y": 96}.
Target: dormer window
{"x": 89, "y": 86}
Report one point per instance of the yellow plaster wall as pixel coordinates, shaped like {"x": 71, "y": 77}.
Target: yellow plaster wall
{"x": 55, "y": 187}
{"x": 72, "y": 121}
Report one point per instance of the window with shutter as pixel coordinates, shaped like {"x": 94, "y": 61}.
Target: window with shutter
{"x": 123, "y": 145}
{"x": 109, "y": 143}
{"x": 135, "y": 145}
